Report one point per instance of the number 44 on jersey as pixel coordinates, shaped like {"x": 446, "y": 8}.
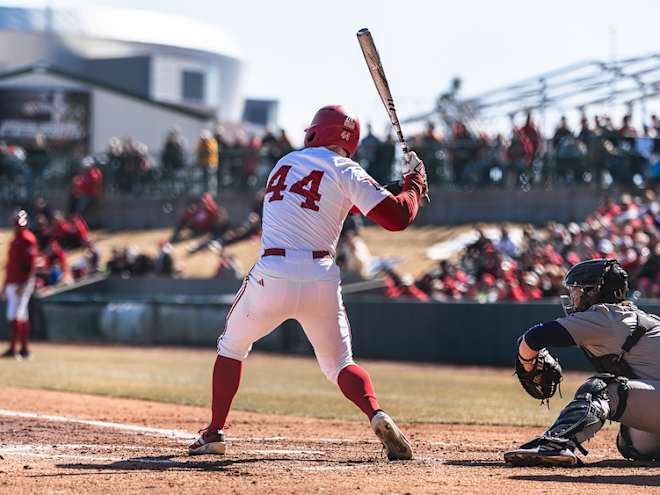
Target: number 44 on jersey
{"x": 307, "y": 187}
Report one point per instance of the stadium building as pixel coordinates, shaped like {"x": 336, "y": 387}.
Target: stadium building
{"x": 85, "y": 75}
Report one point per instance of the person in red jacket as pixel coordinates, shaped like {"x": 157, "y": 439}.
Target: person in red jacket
{"x": 19, "y": 285}
{"x": 86, "y": 187}
{"x": 71, "y": 233}
{"x": 53, "y": 268}
{"x": 203, "y": 216}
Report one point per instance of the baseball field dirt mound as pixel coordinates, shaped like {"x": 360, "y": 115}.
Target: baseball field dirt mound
{"x": 54, "y": 442}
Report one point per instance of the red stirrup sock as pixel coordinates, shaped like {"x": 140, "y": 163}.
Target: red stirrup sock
{"x": 355, "y": 384}
{"x": 226, "y": 378}
{"x": 13, "y": 335}
{"x": 24, "y": 333}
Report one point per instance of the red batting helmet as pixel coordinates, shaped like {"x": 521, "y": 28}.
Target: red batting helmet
{"x": 21, "y": 219}
{"x": 334, "y": 125}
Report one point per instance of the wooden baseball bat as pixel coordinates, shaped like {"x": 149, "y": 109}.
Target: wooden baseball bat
{"x": 380, "y": 80}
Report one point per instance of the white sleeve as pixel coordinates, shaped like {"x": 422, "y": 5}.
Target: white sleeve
{"x": 360, "y": 188}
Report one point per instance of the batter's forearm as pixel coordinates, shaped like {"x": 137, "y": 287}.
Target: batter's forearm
{"x": 395, "y": 213}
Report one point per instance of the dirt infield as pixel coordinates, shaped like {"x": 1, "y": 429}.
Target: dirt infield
{"x": 90, "y": 444}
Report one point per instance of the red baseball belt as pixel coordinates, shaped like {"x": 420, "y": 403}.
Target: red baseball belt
{"x": 282, "y": 252}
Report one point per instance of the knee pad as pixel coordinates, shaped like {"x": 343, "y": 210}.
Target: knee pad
{"x": 617, "y": 392}
{"x": 594, "y": 386}
{"x": 608, "y": 387}
{"x": 626, "y": 447}
{"x": 586, "y": 413}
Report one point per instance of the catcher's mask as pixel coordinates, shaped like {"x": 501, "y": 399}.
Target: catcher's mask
{"x": 592, "y": 282}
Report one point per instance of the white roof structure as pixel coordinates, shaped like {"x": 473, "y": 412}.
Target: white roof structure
{"x": 119, "y": 24}
{"x": 168, "y": 58}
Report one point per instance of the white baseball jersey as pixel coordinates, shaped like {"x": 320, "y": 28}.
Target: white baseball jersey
{"x": 308, "y": 195}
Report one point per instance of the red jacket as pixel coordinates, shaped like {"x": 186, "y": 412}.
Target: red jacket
{"x": 203, "y": 216}
{"x": 22, "y": 258}
{"x": 55, "y": 255}
{"x": 88, "y": 184}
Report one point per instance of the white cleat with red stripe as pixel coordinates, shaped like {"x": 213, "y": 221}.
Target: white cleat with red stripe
{"x": 209, "y": 442}
{"x": 396, "y": 444}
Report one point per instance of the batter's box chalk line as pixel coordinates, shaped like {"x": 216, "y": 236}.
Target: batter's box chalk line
{"x": 172, "y": 433}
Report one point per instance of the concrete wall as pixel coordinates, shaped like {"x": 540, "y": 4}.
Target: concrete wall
{"x": 446, "y": 208}
{"x": 455, "y": 333}
{"x": 149, "y": 287}
{"x": 537, "y": 206}
{"x": 130, "y": 213}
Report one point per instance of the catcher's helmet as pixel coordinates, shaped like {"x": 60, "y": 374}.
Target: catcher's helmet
{"x": 334, "y": 125}
{"x": 21, "y": 218}
{"x": 602, "y": 280}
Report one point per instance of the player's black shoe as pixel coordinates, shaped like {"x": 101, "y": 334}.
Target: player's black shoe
{"x": 10, "y": 354}
{"x": 543, "y": 452}
{"x": 25, "y": 354}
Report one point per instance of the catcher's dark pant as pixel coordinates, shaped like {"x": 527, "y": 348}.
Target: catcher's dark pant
{"x": 633, "y": 403}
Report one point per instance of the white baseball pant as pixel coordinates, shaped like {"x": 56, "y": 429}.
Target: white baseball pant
{"x": 18, "y": 297}
{"x": 297, "y": 287}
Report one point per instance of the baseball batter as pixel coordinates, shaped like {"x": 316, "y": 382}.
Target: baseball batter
{"x": 19, "y": 285}
{"x": 308, "y": 195}
{"x": 623, "y": 344}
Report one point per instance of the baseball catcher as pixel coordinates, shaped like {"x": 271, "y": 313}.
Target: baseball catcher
{"x": 623, "y": 344}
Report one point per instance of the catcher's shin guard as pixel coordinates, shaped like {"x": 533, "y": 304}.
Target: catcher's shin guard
{"x": 581, "y": 419}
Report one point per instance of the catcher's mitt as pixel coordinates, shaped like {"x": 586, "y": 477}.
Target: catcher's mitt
{"x": 543, "y": 380}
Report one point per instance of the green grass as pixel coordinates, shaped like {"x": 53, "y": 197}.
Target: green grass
{"x": 284, "y": 385}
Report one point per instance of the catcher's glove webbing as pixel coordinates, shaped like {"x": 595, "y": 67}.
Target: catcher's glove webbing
{"x": 543, "y": 380}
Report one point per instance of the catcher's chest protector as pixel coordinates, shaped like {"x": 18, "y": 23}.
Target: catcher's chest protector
{"x": 616, "y": 364}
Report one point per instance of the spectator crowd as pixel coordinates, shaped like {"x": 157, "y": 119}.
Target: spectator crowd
{"x": 599, "y": 154}
{"x": 56, "y": 233}
{"x": 217, "y": 160}
{"x": 499, "y": 269}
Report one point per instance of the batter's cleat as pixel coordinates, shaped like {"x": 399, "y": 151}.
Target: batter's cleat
{"x": 543, "y": 453}
{"x": 395, "y": 442}
{"x": 209, "y": 442}
{"x": 11, "y": 354}
{"x": 27, "y": 355}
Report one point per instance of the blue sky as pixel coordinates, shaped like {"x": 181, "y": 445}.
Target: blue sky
{"x": 305, "y": 52}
